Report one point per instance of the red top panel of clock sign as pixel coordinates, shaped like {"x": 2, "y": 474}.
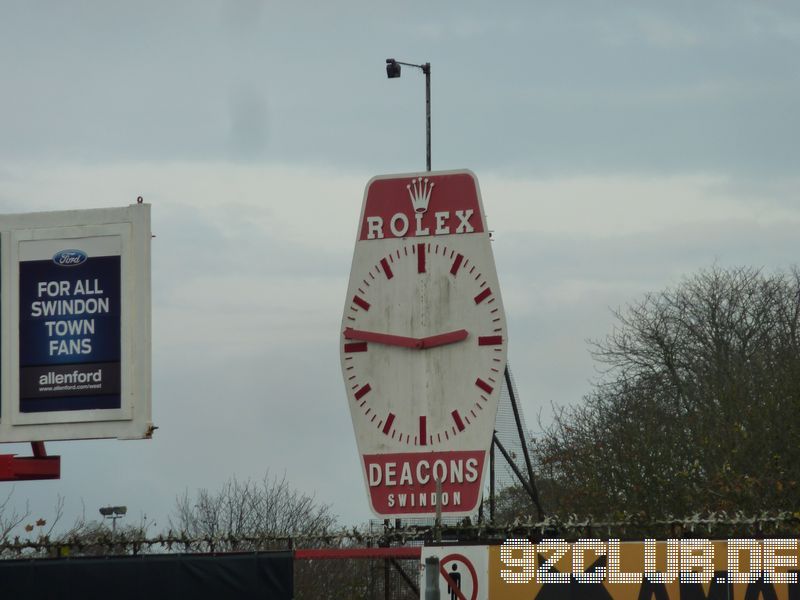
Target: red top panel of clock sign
{"x": 422, "y": 204}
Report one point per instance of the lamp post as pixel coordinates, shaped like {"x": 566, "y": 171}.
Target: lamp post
{"x": 392, "y": 72}
{"x": 113, "y": 513}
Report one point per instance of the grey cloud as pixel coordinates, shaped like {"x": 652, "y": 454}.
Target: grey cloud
{"x": 540, "y": 88}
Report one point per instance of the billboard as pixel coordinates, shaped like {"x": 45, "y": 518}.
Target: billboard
{"x": 676, "y": 569}
{"x": 75, "y": 324}
{"x": 423, "y": 343}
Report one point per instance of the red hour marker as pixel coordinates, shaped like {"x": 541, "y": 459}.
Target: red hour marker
{"x": 420, "y": 258}
{"x": 359, "y": 301}
{"x": 387, "y": 270}
{"x": 483, "y": 385}
{"x": 490, "y": 340}
{"x": 360, "y": 393}
{"x": 456, "y": 264}
{"x": 483, "y": 295}
{"x": 388, "y": 426}
{"x": 355, "y": 347}
{"x": 457, "y": 419}
{"x": 423, "y": 431}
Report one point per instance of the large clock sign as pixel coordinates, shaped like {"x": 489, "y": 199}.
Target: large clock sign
{"x": 423, "y": 343}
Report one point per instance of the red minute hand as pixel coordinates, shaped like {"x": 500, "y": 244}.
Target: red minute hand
{"x": 381, "y": 338}
{"x": 443, "y": 338}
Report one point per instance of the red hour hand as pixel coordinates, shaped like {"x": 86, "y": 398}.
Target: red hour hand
{"x": 381, "y": 338}
{"x": 443, "y": 338}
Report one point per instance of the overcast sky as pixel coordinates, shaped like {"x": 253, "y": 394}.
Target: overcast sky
{"x": 620, "y": 146}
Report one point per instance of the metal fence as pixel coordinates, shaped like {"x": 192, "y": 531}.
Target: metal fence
{"x": 378, "y": 562}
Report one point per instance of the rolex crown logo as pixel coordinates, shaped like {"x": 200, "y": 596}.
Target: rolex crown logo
{"x": 419, "y": 190}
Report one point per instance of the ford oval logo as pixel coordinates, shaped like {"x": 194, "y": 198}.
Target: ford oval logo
{"x": 70, "y": 258}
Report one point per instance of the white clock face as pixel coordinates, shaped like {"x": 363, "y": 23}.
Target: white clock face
{"x": 424, "y": 342}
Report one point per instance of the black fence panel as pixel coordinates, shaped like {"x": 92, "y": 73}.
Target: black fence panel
{"x": 153, "y": 577}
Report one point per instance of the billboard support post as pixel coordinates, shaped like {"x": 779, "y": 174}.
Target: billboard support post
{"x": 491, "y": 478}
{"x": 530, "y": 485}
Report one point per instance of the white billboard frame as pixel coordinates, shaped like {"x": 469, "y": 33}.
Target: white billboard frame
{"x": 68, "y": 229}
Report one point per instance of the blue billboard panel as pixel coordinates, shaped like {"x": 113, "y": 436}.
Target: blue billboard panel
{"x": 70, "y": 330}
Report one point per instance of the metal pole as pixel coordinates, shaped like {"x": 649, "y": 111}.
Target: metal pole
{"x": 437, "y": 524}
{"x": 491, "y": 479}
{"x": 426, "y": 68}
{"x": 387, "y": 588}
{"x": 432, "y": 578}
{"x": 393, "y": 70}
{"x": 526, "y": 486}
{"x": 524, "y": 443}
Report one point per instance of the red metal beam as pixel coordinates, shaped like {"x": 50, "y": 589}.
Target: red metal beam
{"x": 342, "y": 553}
{"x": 26, "y": 468}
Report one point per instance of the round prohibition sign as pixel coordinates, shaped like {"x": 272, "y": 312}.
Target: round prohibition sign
{"x": 449, "y": 580}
